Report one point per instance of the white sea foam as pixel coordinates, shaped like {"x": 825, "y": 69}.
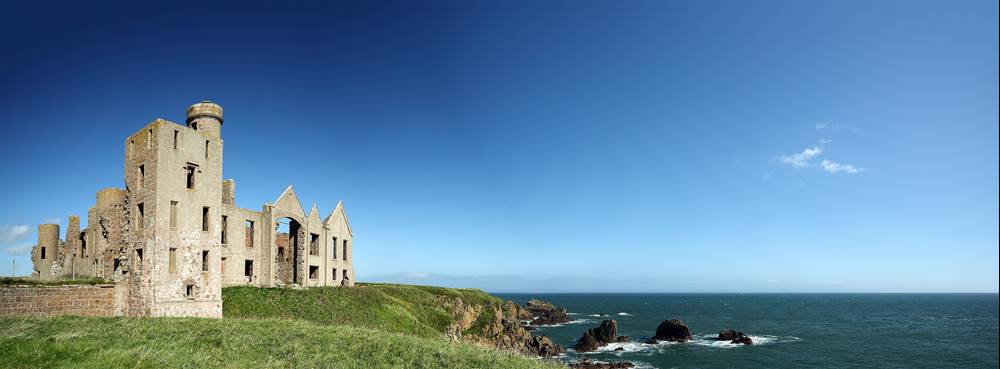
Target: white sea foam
{"x": 624, "y": 314}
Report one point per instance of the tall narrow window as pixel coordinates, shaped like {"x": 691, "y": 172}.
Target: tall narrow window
{"x": 140, "y": 216}
{"x": 206, "y": 149}
{"x": 248, "y": 268}
{"x": 43, "y": 252}
{"x": 335, "y": 274}
{"x": 189, "y": 171}
{"x": 222, "y": 267}
{"x": 313, "y": 244}
{"x": 204, "y": 261}
{"x": 176, "y": 134}
{"x": 204, "y": 219}
{"x": 138, "y": 254}
{"x": 83, "y": 245}
{"x": 149, "y": 139}
{"x": 172, "y": 263}
{"x": 142, "y": 176}
{"x": 249, "y": 233}
{"x": 131, "y": 148}
{"x": 225, "y": 238}
{"x": 333, "y": 250}
{"x": 344, "y": 254}
{"x": 173, "y": 214}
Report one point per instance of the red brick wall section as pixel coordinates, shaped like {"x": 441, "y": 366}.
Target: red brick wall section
{"x": 97, "y": 300}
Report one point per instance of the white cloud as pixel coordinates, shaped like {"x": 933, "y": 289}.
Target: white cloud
{"x": 54, "y": 220}
{"x": 10, "y": 234}
{"x": 19, "y": 249}
{"x": 825, "y": 141}
{"x": 835, "y": 167}
{"x": 823, "y": 125}
{"x": 801, "y": 160}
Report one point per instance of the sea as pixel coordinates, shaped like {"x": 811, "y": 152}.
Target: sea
{"x": 788, "y": 330}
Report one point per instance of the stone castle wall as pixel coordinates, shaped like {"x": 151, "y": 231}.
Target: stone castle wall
{"x": 96, "y": 300}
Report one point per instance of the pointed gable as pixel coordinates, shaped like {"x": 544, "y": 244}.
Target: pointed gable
{"x": 339, "y": 212}
{"x": 289, "y": 201}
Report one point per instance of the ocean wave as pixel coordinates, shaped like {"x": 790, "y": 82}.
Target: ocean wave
{"x": 624, "y": 314}
{"x": 576, "y": 321}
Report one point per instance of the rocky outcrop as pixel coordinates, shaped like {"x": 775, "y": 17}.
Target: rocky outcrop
{"x": 736, "y": 337}
{"x": 593, "y": 338}
{"x": 587, "y": 364}
{"x": 672, "y": 330}
{"x": 546, "y": 313}
{"x": 496, "y": 325}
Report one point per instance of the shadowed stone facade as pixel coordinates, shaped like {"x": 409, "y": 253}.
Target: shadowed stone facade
{"x": 173, "y": 236}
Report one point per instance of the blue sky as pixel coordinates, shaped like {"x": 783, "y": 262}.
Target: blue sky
{"x": 548, "y": 146}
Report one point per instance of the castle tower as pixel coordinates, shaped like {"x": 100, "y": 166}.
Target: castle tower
{"x": 205, "y": 116}
{"x": 48, "y": 249}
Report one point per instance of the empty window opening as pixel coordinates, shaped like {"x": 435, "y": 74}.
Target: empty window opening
{"x": 172, "y": 263}
{"x": 194, "y": 126}
{"x": 249, "y": 233}
{"x": 344, "y": 254}
{"x": 222, "y": 267}
{"x": 204, "y": 261}
{"x": 289, "y": 263}
{"x": 189, "y": 291}
{"x": 335, "y": 274}
{"x": 173, "y": 214}
{"x": 83, "y": 244}
{"x": 176, "y": 133}
{"x": 189, "y": 172}
{"x": 140, "y": 215}
{"x": 138, "y": 255}
{"x": 117, "y": 263}
{"x": 206, "y": 149}
{"x": 149, "y": 139}
{"x": 313, "y": 272}
{"x": 313, "y": 244}
{"x": 225, "y": 239}
{"x": 43, "y": 252}
{"x": 142, "y": 176}
{"x": 131, "y": 149}
{"x": 204, "y": 219}
{"x": 248, "y": 268}
{"x": 333, "y": 251}
{"x": 281, "y": 252}
{"x": 345, "y": 274}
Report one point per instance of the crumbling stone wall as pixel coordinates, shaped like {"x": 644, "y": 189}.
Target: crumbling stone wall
{"x": 97, "y": 300}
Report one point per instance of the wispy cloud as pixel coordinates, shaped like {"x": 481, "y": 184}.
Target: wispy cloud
{"x": 829, "y": 125}
{"x": 835, "y": 167}
{"x": 10, "y": 234}
{"x": 22, "y": 249}
{"x": 801, "y": 160}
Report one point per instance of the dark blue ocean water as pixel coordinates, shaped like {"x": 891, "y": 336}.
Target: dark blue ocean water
{"x": 792, "y": 330}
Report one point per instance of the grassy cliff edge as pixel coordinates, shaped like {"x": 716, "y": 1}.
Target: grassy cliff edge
{"x": 369, "y": 326}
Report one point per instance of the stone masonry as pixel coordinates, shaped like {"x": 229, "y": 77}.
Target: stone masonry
{"x": 59, "y": 300}
{"x": 172, "y": 237}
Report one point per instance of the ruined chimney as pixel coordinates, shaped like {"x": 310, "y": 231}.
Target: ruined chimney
{"x": 205, "y": 116}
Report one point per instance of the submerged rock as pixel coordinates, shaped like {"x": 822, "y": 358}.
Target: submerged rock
{"x": 734, "y": 337}
{"x": 672, "y": 330}
{"x": 587, "y": 364}
{"x": 602, "y": 335}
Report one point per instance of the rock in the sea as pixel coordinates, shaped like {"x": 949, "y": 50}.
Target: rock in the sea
{"x": 587, "y": 364}
{"x": 543, "y": 346}
{"x": 546, "y": 313}
{"x": 593, "y": 338}
{"x": 672, "y": 330}
{"x": 734, "y": 337}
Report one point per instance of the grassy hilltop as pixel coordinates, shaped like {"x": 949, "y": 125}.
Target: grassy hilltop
{"x": 370, "y": 326}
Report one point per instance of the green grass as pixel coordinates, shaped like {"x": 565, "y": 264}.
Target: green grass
{"x": 72, "y": 342}
{"x": 17, "y": 281}
{"x": 415, "y": 310}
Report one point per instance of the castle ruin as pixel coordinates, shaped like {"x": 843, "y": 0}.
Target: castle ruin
{"x": 173, "y": 236}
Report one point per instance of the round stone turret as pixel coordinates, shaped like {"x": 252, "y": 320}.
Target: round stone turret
{"x": 48, "y": 242}
{"x": 205, "y": 116}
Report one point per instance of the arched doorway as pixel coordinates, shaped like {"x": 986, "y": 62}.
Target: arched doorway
{"x": 288, "y": 242}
